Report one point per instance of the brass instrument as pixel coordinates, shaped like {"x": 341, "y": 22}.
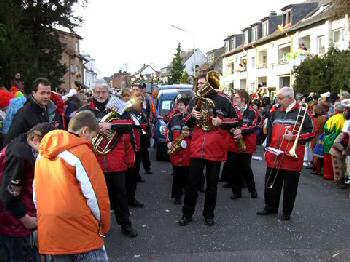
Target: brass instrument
{"x": 204, "y": 104}
{"x": 292, "y": 152}
{"x": 176, "y": 144}
{"x": 241, "y": 145}
{"x": 105, "y": 142}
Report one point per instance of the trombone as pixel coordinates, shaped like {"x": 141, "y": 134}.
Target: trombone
{"x": 292, "y": 152}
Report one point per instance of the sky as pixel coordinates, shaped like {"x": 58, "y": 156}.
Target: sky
{"x": 125, "y": 34}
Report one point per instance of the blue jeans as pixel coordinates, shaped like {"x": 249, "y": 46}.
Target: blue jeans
{"x": 98, "y": 255}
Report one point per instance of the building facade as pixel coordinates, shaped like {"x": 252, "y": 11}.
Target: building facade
{"x": 71, "y": 58}
{"x": 265, "y": 55}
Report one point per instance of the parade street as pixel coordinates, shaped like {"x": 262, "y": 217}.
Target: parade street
{"x": 317, "y": 231}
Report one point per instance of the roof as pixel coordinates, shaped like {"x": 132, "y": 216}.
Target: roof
{"x": 69, "y": 33}
{"x": 319, "y": 15}
{"x": 144, "y": 67}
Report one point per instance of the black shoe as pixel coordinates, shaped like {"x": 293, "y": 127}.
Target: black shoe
{"x": 149, "y": 171}
{"x": 236, "y": 196}
{"x": 129, "y": 231}
{"x": 136, "y": 203}
{"x": 265, "y": 212}
{"x": 284, "y": 217}
{"x": 184, "y": 221}
{"x": 177, "y": 201}
{"x": 227, "y": 185}
{"x": 254, "y": 194}
{"x": 342, "y": 186}
{"x": 209, "y": 221}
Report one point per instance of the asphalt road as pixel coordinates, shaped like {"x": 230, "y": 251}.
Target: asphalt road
{"x": 318, "y": 231}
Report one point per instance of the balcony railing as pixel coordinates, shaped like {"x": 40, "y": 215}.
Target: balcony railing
{"x": 262, "y": 65}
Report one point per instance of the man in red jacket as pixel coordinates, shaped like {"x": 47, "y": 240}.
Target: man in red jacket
{"x": 283, "y": 170}
{"x": 242, "y": 146}
{"x": 208, "y": 149}
{"x": 114, "y": 163}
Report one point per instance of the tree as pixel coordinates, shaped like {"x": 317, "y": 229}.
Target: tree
{"x": 330, "y": 72}
{"x": 30, "y": 44}
{"x": 185, "y": 78}
{"x": 178, "y": 67}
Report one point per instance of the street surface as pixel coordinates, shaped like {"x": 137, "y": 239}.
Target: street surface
{"x": 318, "y": 231}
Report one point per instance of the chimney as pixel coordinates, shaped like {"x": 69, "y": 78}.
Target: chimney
{"x": 273, "y": 13}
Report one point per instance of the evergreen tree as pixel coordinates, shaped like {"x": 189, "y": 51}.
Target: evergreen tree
{"x": 178, "y": 67}
{"x": 29, "y": 39}
{"x": 185, "y": 78}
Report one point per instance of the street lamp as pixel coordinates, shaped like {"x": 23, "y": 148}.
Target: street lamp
{"x": 194, "y": 47}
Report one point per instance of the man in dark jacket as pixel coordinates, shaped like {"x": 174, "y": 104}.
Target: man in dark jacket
{"x": 208, "y": 149}
{"x": 17, "y": 211}
{"x": 38, "y": 109}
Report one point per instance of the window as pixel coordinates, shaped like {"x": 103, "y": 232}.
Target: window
{"x": 265, "y": 28}
{"x": 246, "y": 37}
{"x": 227, "y": 47}
{"x": 321, "y": 49}
{"x": 232, "y": 68}
{"x": 254, "y": 33}
{"x": 338, "y": 35}
{"x": 233, "y": 43}
{"x": 287, "y": 18}
{"x": 252, "y": 60}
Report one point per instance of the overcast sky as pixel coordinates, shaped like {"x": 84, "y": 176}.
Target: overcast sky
{"x": 125, "y": 34}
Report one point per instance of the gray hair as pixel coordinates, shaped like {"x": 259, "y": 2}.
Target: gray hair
{"x": 338, "y": 107}
{"x": 101, "y": 83}
{"x": 287, "y": 91}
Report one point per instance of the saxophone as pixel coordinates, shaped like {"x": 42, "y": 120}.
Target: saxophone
{"x": 176, "y": 144}
{"x": 204, "y": 104}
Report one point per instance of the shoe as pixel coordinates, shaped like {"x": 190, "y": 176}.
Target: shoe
{"x": 227, "y": 185}
{"x": 284, "y": 217}
{"x": 177, "y": 201}
{"x": 236, "y": 196}
{"x": 140, "y": 179}
{"x": 136, "y": 203}
{"x": 184, "y": 221}
{"x": 149, "y": 171}
{"x": 254, "y": 194}
{"x": 265, "y": 212}
{"x": 342, "y": 186}
{"x": 209, "y": 222}
{"x": 129, "y": 231}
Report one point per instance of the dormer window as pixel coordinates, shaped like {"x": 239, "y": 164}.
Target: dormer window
{"x": 265, "y": 28}
{"x": 233, "y": 43}
{"x": 254, "y": 33}
{"x": 287, "y": 18}
{"x": 227, "y": 45}
{"x": 246, "y": 37}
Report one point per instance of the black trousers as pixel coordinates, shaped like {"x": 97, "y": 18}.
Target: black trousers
{"x": 193, "y": 181}
{"x": 118, "y": 196}
{"x": 144, "y": 154}
{"x": 289, "y": 180}
{"x": 131, "y": 183}
{"x": 179, "y": 181}
{"x": 225, "y": 173}
{"x": 239, "y": 165}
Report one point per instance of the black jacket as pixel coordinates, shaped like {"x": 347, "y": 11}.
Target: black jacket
{"x": 28, "y": 116}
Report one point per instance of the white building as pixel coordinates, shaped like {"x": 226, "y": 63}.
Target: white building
{"x": 193, "y": 60}
{"x": 270, "y": 49}
{"x": 90, "y": 74}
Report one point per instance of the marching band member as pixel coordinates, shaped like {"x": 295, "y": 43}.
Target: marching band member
{"x": 208, "y": 147}
{"x": 113, "y": 163}
{"x": 283, "y": 170}
{"x": 178, "y": 137}
{"x": 243, "y": 145}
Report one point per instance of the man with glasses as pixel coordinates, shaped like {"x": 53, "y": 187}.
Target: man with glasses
{"x": 283, "y": 170}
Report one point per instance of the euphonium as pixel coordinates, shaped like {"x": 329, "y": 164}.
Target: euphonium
{"x": 176, "y": 144}
{"x": 204, "y": 104}
{"x": 105, "y": 142}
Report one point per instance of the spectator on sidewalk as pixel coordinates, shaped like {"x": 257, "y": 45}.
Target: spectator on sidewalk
{"x": 71, "y": 195}
{"x": 17, "y": 211}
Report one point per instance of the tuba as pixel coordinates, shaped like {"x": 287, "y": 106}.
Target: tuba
{"x": 105, "y": 142}
{"x": 204, "y": 104}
